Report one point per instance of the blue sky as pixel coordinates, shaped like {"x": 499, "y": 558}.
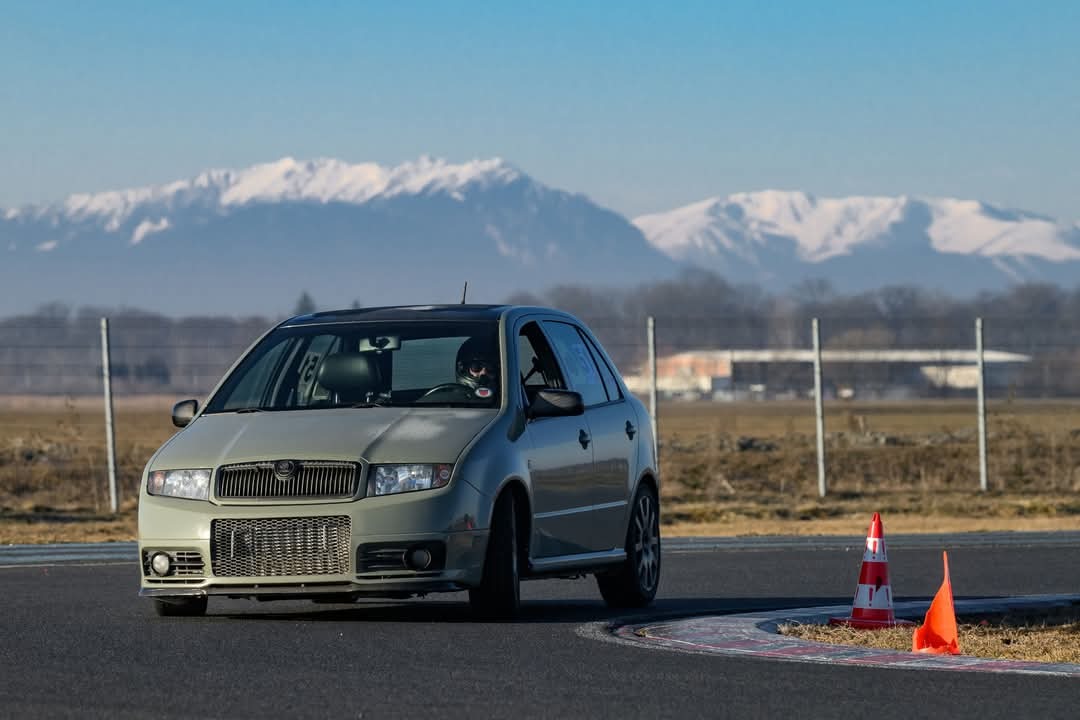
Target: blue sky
{"x": 643, "y": 107}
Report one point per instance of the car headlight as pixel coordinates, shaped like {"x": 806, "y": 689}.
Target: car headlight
{"x": 189, "y": 484}
{"x": 389, "y": 479}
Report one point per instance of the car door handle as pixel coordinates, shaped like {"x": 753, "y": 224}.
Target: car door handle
{"x": 630, "y": 430}
{"x": 583, "y": 438}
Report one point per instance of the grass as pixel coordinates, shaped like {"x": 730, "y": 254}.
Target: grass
{"x": 727, "y": 468}
{"x": 751, "y": 468}
{"x": 1053, "y": 639}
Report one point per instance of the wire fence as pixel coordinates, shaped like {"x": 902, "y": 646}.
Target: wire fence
{"x": 710, "y": 364}
{"x": 699, "y": 358}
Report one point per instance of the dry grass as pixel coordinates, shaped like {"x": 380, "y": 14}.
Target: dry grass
{"x": 47, "y": 525}
{"x": 751, "y": 468}
{"x": 728, "y": 468}
{"x": 1055, "y": 640}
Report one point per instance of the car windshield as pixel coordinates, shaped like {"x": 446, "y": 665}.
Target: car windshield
{"x": 367, "y": 364}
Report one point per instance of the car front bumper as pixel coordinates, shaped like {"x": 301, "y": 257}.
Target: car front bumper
{"x": 328, "y": 550}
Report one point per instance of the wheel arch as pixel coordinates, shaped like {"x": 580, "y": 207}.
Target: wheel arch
{"x": 648, "y": 479}
{"x": 522, "y": 512}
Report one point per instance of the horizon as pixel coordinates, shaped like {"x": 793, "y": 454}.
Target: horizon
{"x": 642, "y": 109}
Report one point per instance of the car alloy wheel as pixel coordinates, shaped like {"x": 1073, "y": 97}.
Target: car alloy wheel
{"x": 647, "y": 543}
{"x": 634, "y": 582}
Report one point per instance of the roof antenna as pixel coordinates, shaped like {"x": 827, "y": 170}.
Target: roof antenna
{"x": 464, "y": 292}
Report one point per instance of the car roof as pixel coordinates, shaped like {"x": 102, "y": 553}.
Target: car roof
{"x": 455, "y": 312}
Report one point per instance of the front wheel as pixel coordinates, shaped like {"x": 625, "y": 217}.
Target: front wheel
{"x": 181, "y": 606}
{"x": 498, "y": 596}
{"x": 634, "y": 584}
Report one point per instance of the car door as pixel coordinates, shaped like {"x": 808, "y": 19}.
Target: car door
{"x": 560, "y": 456}
{"x": 612, "y": 427}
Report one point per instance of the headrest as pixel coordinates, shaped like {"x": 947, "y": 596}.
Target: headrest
{"x": 349, "y": 373}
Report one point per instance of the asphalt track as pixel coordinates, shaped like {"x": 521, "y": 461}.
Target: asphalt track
{"x": 75, "y": 641}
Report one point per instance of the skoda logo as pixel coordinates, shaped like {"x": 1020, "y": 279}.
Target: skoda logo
{"x": 285, "y": 470}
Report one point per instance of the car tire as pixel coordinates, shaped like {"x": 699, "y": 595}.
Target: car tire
{"x": 635, "y": 582}
{"x": 181, "y": 607}
{"x": 498, "y": 596}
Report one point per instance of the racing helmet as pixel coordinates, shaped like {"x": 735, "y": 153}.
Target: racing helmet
{"x": 478, "y": 364}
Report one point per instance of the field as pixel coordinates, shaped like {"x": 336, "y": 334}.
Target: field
{"x": 728, "y": 468}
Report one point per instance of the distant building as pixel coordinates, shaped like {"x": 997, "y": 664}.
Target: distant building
{"x": 697, "y": 374}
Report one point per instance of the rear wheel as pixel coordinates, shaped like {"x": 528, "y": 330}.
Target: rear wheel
{"x": 181, "y": 606}
{"x": 498, "y": 596}
{"x": 634, "y": 584}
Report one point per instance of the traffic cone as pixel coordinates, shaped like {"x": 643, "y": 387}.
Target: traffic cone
{"x": 872, "y": 607}
{"x": 938, "y": 633}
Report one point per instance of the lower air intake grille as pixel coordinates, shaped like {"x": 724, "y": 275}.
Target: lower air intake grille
{"x": 185, "y": 563}
{"x": 381, "y": 557}
{"x": 280, "y": 547}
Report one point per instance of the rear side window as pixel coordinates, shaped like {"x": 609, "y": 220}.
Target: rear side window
{"x": 577, "y": 362}
{"x": 606, "y": 375}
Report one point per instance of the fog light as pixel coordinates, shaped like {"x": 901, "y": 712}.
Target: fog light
{"x": 161, "y": 564}
{"x": 418, "y": 559}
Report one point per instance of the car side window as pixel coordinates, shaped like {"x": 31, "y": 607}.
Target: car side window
{"x": 578, "y": 361}
{"x": 606, "y": 374}
{"x": 539, "y": 368}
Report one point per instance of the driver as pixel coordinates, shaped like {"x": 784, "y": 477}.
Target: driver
{"x": 477, "y": 367}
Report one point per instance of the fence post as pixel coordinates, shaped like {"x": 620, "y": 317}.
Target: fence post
{"x": 650, "y": 328}
{"x": 981, "y": 394}
{"x": 819, "y": 410}
{"x": 110, "y": 441}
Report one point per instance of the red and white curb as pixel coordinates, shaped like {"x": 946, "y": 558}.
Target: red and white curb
{"x": 755, "y": 635}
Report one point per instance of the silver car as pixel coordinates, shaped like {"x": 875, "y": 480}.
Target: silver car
{"x": 400, "y": 451}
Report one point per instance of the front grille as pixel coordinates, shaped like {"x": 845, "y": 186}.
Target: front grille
{"x": 279, "y": 547}
{"x": 324, "y": 479}
{"x": 185, "y": 563}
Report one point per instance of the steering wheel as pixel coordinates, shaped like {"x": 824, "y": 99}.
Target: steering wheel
{"x": 443, "y": 387}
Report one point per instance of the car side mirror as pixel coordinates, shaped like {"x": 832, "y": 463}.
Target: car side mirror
{"x": 556, "y": 403}
{"x": 184, "y": 412}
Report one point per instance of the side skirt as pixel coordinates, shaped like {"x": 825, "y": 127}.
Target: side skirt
{"x": 575, "y": 565}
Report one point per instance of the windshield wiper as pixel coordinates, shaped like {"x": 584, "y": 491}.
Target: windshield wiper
{"x": 252, "y": 409}
{"x": 369, "y": 405}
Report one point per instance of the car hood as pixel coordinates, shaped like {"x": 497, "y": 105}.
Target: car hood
{"x": 376, "y": 435}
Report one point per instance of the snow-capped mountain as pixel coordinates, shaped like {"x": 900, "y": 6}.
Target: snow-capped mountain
{"x": 325, "y": 180}
{"x": 778, "y": 238}
{"x": 251, "y": 240}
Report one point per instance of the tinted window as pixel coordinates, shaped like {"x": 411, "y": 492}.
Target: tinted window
{"x": 577, "y": 361}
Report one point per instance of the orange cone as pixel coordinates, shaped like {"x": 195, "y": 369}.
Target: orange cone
{"x": 938, "y": 633}
{"x": 872, "y": 607}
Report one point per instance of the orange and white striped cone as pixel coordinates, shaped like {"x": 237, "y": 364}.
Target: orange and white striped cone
{"x": 873, "y": 604}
